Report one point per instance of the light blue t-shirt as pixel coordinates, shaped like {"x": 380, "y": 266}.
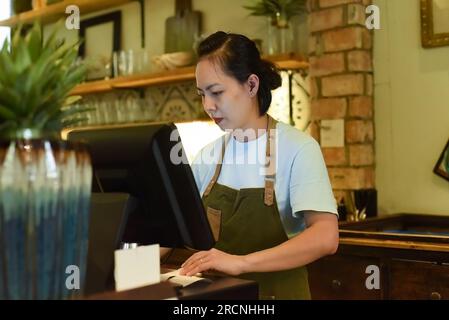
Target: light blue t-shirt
{"x": 302, "y": 182}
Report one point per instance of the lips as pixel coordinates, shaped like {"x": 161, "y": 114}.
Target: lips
{"x": 217, "y": 120}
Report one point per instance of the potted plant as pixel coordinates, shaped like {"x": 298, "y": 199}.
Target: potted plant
{"x": 44, "y": 182}
{"x": 279, "y": 14}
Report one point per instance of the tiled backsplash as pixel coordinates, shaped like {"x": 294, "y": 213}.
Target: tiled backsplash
{"x": 175, "y": 102}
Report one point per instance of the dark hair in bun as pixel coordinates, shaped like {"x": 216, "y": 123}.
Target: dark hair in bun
{"x": 239, "y": 58}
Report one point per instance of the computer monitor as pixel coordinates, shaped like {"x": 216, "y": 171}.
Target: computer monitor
{"x": 137, "y": 160}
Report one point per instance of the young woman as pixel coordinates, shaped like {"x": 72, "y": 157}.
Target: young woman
{"x": 273, "y": 217}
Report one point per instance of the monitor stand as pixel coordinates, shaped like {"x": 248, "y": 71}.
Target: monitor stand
{"x": 108, "y": 218}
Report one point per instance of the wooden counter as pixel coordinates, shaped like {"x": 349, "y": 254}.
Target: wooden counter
{"x": 221, "y": 287}
{"x": 226, "y": 288}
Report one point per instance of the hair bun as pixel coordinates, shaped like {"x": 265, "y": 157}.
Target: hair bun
{"x": 270, "y": 74}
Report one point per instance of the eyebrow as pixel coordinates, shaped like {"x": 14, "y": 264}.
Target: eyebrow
{"x": 209, "y": 86}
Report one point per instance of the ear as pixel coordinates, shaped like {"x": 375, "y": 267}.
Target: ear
{"x": 252, "y": 85}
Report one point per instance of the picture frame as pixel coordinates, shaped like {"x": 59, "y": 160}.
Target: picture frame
{"x": 108, "y": 28}
{"x": 434, "y": 23}
{"x": 442, "y": 166}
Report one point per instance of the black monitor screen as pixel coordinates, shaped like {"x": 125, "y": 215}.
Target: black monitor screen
{"x": 147, "y": 161}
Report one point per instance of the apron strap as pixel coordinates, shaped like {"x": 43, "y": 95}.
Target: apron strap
{"x": 214, "y": 179}
{"x": 270, "y": 171}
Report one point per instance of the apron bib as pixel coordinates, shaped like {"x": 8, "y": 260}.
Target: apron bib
{"x": 248, "y": 220}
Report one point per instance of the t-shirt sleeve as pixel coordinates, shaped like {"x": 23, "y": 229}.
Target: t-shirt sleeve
{"x": 310, "y": 188}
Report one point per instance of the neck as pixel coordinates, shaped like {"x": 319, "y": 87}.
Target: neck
{"x": 252, "y": 129}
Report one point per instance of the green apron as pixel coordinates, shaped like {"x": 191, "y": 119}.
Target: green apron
{"x": 247, "y": 220}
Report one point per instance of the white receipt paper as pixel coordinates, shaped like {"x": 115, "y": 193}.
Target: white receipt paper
{"x": 137, "y": 267}
{"x": 178, "y": 279}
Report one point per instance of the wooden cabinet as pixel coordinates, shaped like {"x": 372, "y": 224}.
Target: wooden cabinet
{"x": 411, "y": 253}
{"x": 418, "y": 280}
{"x": 341, "y": 277}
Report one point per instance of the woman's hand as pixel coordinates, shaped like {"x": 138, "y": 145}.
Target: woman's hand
{"x": 213, "y": 259}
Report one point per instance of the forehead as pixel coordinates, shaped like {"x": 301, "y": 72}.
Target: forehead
{"x": 209, "y": 72}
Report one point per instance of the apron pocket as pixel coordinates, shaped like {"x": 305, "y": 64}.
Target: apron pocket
{"x": 214, "y": 217}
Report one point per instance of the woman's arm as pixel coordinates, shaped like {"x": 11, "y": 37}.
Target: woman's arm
{"x": 319, "y": 239}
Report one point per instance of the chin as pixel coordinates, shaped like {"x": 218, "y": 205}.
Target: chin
{"x": 222, "y": 125}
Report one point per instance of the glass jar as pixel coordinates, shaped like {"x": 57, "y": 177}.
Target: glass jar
{"x": 272, "y": 36}
{"x": 280, "y": 35}
{"x": 285, "y": 33}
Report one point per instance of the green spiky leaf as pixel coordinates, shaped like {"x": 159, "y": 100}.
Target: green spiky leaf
{"x": 36, "y": 79}
{"x": 277, "y": 9}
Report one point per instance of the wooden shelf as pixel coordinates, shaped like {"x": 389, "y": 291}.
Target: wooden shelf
{"x": 283, "y": 62}
{"x": 53, "y": 12}
{"x": 289, "y": 61}
{"x": 158, "y": 78}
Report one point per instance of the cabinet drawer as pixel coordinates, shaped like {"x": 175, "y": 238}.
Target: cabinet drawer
{"x": 342, "y": 277}
{"x": 418, "y": 280}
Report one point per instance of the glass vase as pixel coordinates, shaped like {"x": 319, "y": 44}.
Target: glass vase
{"x": 44, "y": 214}
{"x": 280, "y": 35}
{"x": 286, "y": 39}
{"x": 272, "y": 37}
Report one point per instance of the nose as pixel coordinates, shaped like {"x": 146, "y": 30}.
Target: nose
{"x": 209, "y": 105}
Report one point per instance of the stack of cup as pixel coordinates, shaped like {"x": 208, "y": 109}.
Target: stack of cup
{"x": 131, "y": 62}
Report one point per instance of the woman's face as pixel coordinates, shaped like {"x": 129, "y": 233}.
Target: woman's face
{"x": 230, "y": 104}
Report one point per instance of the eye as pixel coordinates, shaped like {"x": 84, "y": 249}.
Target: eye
{"x": 217, "y": 93}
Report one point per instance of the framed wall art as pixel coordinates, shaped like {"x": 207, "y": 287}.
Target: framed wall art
{"x": 442, "y": 166}
{"x": 101, "y": 36}
{"x": 434, "y": 23}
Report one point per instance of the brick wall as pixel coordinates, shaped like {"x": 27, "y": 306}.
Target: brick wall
{"x": 341, "y": 69}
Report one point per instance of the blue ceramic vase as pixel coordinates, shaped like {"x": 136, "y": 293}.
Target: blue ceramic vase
{"x": 44, "y": 215}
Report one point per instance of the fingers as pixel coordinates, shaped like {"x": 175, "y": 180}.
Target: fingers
{"x": 198, "y": 266}
{"x": 190, "y": 260}
{"x": 194, "y": 262}
{"x": 198, "y": 262}
{"x": 195, "y": 257}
